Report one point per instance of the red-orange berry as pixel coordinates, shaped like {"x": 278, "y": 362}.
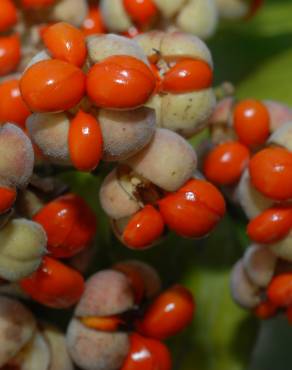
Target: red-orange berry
{"x": 109, "y": 323}
{"x": 10, "y": 53}
{"x": 7, "y": 198}
{"x": 171, "y": 312}
{"x": 187, "y": 75}
{"x": 52, "y": 85}
{"x": 54, "y": 284}
{"x": 144, "y": 228}
{"x": 271, "y": 225}
{"x": 8, "y": 15}
{"x": 85, "y": 142}
{"x": 251, "y": 122}
{"x": 147, "y": 354}
{"x": 141, "y": 11}
{"x": 12, "y": 107}
{"x": 194, "y": 210}
{"x": 120, "y": 82}
{"x": 265, "y": 310}
{"x": 271, "y": 173}
{"x": 66, "y": 42}
{"x": 226, "y": 162}
{"x": 279, "y": 291}
{"x": 93, "y": 23}
{"x": 69, "y": 223}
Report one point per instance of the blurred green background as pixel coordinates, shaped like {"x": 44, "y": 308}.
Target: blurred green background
{"x": 257, "y": 57}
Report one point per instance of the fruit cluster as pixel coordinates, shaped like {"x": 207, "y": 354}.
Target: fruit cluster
{"x": 123, "y": 317}
{"x": 252, "y": 158}
{"x": 198, "y": 17}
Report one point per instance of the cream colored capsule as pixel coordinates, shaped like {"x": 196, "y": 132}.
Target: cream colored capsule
{"x": 125, "y": 133}
{"x": 169, "y": 8}
{"x": 168, "y": 161}
{"x": 259, "y": 264}
{"x": 282, "y": 136}
{"x": 49, "y": 131}
{"x": 106, "y": 293}
{"x": 283, "y": 248}
{"x": 232, "y": 9}
{"x": 16, "y": 156}
{"x": 70, "y": 11}
{"x": 22, "y": 246}
{"x": 252, "y": 202}
{"x": 115, "y": 16}
{"x": 104, "y": 46}
{"x": 96, "y": 350}
{"x": 17, "y": 327}
{"x": 115, "y": 200}
{"x": 199, "y": 17}
{"x": 243, "y": 291}
{"x": 279, "y": 113}
{"x": 59, "y": 359}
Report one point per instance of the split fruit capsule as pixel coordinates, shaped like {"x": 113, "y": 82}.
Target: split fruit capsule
{"x": 93, "y": 23}
{"x": 194, "y": 210}
{"x": 271, "y": 173}
{"x": 23, "y": 244}
{"x": 168, "y": 314}
{"x": 184, "y": 99}
{"x": 52, "y": 85}
{"x": 69, "y": 223}
{"x": 54, "y": 284}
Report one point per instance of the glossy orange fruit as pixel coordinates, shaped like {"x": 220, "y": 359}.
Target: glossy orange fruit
{"x": 109, "y": 323}
{"x": 8, "y": 15}
{"x": 120, "y": 82}
{"x": 271, "y": 225}
{"x": 226, "y": 162}
{"x": 251, "y": 120}
{"x": 265, "y": 310}
{"x": 9, "y": 53}
{"x": 279, "y": 291}
{"x": 144, "y": 228}
{"x": 141, "y": 11}
{"x": 54, "y": 284}
{"x": 194, "y": 210}
{"x": 66, "y": 42}
{"x": 93, "y": 23}
{"x": 7, "y": 198}
{"x": 12, "y": 107}
{"x": 171, "y": 312}
{"x": 147, "y": 354}
{"x": 85, "y": 142}
{"x": 271, "y": 172}
{"x": 187, "y": 75}
{"x": 52, "y": 86}
{"x": 69, "y": 223}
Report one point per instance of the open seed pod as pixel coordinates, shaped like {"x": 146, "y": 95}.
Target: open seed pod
{"x": 185, "y": 110}
{"x": 195, "y": 16}
{"x": 282, "y": 136}
{"x": 107, "y": 293}
{"x": 23, "y": 244}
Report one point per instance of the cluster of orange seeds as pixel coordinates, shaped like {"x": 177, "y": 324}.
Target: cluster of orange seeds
{"x": 252, "y": 156}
